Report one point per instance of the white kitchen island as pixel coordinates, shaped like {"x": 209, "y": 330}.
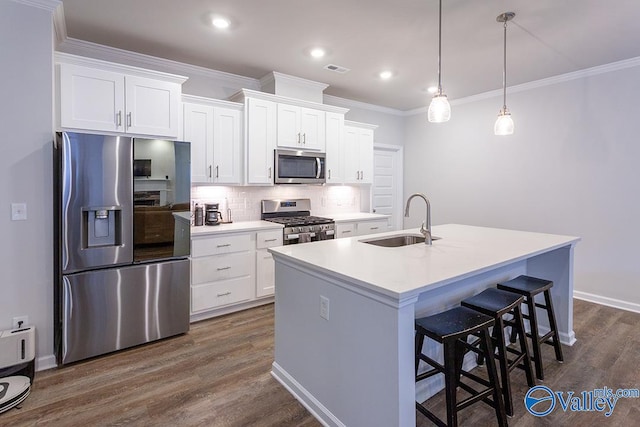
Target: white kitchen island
{"x": 356, "y": 366}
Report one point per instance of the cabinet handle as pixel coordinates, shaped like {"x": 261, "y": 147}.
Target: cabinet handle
{"x": 223, "y": 268}
{"x": 298, "y": 137}
{"x": 217, "y": 174}
{"x": 270, "y": 240}
{"x": 225, "y": 294}
{"x": 119, "y": 119}
{"x": 225, "y": 245}
{"x": 373, "y": 228}
{"x": 329, "y": 177}
{"x": 346, "y": 231}
{"x": 129, "y": 119}
{"x": 304, "y": 138}
{"x": 209, "y": 171}
{"x": 269, "y": 173}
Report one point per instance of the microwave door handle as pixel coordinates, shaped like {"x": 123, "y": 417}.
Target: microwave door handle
{"x": 319, "y": 163}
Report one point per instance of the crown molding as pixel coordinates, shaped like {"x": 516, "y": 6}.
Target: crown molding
{"x": 549, "y": 81}
{"x": 361, "y": 125}
{"x": 275, "y": 76}
{"x": 49, "y": 5}
{"x": 85, "y": 48}
{"x": 59, "y": 24}
{"x": 242, "y": 94}
{"x": 348, "y": 103}
{"x": 194, "y": 99}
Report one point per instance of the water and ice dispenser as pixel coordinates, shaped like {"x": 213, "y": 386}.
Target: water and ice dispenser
{"x": 102, "y": 226}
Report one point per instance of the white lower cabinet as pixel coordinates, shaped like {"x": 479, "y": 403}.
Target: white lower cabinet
{"x": 265, "y": 266}
{"x": 361, "y": 228}
{"x": 230, "y": 269}
{"x": 222, "y": 270}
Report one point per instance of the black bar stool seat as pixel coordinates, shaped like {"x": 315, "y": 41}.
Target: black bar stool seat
{"x": 451, "y": 328}
{"x": 529, "y": 287}
{"x": 497, "y": 304}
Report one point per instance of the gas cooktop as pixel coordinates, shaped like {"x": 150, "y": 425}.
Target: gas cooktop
{"x": 290, "y": 221}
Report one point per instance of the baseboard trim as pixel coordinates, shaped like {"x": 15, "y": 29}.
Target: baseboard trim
{"x": 302, "y": 395}
{"x": 609, "y": 302}
{"x": 46, "y": 362}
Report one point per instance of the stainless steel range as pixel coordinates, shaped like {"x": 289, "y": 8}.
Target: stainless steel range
{"x": 299, "y": 225}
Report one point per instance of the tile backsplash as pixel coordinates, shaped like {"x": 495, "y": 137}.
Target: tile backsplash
{"x": 244, "y": 202}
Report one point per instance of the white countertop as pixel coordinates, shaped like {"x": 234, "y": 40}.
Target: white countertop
{"x": 356, "y": 216}
{"x": 462, "y": 251}
{"x": 234, "y": 227}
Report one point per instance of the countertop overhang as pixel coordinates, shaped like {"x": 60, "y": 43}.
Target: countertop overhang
{"x": 404, "y": 272}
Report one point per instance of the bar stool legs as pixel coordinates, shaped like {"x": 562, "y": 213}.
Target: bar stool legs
{"x": 451, "y": 328}
{"x": 498, "y": 304}
{"x": 529, "y": 287}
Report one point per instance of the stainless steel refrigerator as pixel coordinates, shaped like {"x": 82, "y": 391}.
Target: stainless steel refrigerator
{"x": 122, "y": 242}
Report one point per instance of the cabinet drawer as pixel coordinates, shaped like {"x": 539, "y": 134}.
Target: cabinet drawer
{"x": 268, "y": 239}
{"x": 220, "y": 267}
{"x": 221, "y": 244}
{"x": 371, "y": 227}
{"x": 217, "y": 294}
{"x": 345, "y": 229}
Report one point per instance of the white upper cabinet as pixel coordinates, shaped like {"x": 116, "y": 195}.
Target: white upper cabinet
{"x": 214, "y": 130}
{"x": 198, "y": 130}
{"x": 260, "y": 125}
{"x": 334, "y": 162}
{"x": 358, "y": 153}
{"x": 301, "y": 128}
{"x": 101, "y": 96}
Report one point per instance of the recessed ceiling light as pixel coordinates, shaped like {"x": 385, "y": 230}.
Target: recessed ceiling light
{"x": 432, "y": 89}
{"x": 220, "y": 22}
{"x": 317, "y": 52}
{"x": 386, "y": 75}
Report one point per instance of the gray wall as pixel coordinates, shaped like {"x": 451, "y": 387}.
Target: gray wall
{"x": 26, "y": 285}
{"x": 570, "y": 168}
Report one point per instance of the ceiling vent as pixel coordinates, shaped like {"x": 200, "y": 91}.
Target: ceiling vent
{"x": 336, "y": 68}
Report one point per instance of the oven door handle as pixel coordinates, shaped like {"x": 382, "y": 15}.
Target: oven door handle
{"x": 297, "y": 236}
{"x": 319, "y": 169}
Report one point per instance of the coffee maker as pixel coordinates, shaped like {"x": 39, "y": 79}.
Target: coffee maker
{"x": 212, "y": 215}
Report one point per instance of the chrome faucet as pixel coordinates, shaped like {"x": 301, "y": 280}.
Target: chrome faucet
{"x": 425, "y": 228}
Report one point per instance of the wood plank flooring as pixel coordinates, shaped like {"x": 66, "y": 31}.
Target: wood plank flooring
{"x": 219, "y": 375}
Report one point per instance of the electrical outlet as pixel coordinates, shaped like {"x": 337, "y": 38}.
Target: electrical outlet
{"x": 20, "y": 322}
{"x": 324, "y": 307}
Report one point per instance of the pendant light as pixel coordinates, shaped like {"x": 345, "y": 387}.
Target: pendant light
{"x": 439, "y": 109}
{"x": 504, "y": 123}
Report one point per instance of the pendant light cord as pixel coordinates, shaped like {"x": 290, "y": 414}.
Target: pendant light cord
{"x": 440, "y": 47}
{"x": 504, "y": 70}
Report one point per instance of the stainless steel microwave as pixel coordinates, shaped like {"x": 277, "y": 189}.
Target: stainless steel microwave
{"x": 299, "y": 167}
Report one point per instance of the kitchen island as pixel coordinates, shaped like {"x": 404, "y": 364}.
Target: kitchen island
{"x": 345, "y": 310}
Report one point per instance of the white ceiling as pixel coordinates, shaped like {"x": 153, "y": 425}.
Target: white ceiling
{"x": 546, "y": 38}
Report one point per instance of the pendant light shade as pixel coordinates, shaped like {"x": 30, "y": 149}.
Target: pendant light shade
{"x": 504, "y": 123}
{"x": 439, "y": 109}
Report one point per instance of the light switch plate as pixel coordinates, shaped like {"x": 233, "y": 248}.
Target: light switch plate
{"x": 18, "y": 211}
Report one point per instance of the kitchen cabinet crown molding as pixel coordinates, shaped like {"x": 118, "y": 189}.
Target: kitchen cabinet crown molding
{"x": 194, "y": 99}
{"x": 67, "y": 58}
{"x": 242, "y": 94}
{"x": 360, "y": 125}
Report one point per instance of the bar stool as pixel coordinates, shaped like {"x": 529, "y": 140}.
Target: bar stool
{"x": 529, "y": 287}
{"x": 451, "y": 328}
{"x": 497, "y": 304}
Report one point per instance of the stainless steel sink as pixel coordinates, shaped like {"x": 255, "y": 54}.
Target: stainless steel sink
{"x": 398, "y": 240}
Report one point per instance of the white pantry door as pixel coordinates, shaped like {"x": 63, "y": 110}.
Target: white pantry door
{"x": 386, "y": 191}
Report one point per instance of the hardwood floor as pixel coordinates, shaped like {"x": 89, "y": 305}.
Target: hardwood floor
{"x": 219, "y": 375}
